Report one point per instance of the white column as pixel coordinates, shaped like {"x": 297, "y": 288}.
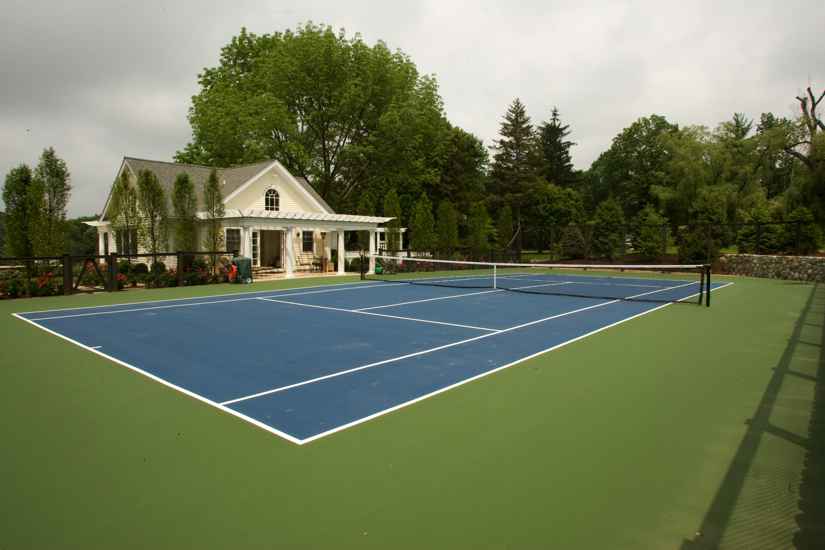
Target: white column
{"x": 341, "y": 252}
{"x": 246, "y": 244}
{"x": 289, "y": 264}
{"x": 373, "y": 238}
{"x": 100, "y": 246}
{"x": 328, "y": 247}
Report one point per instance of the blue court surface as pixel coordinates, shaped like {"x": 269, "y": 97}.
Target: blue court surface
{"x": 305, "y": 363}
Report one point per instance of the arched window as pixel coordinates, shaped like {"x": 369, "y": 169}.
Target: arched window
{"x": 272, "y": 200}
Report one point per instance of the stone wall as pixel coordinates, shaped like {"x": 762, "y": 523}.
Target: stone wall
{"x": 793, "y": 268}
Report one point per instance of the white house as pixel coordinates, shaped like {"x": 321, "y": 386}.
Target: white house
{"x": 273, "y": 217}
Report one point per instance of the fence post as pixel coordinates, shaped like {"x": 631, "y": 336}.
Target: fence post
{"x": 67, "y": 274}
{"x": 180, "y": 268}
{"x": 112, "y": 272}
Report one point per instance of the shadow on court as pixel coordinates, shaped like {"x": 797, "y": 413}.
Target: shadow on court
{"x": 773, "y": 494}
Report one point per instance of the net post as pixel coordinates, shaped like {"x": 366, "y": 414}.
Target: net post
{"x": 702, "y": 285}
{"x": 707, "y": 292}
{"x": 362, "y": 268}
{"x": 495, "y": 280}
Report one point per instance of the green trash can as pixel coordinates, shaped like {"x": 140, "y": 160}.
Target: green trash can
{"x": 244, "y": 269}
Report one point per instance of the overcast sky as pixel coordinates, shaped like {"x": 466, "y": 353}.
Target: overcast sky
{"x": 98, "y": 80}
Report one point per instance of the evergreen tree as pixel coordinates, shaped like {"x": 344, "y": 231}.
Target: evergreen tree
{"x": 556, "y": 164}
{"x": 52, "y": 189}
{"x": 185, "y": 204}
{"x": 504, "y": 227}
{"x": 479, "y": 230}
{"x": 124, "y": 214}
{"x": 153, "y": 212}
{"x": 650, "y": 234}
{"x": 608, "y": 229}
{"x": 392, "y": 209}
{"x": 514, "y": 169}
{"x": 17, "y": 195}
{"x": 215, "y": 210}
{"x": 446, "y": 227}
{"x": 422, "y": 226}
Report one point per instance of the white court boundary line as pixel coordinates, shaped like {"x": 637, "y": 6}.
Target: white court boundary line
{"x": 359, "y": 312}
{"x": 206, "y": 297}
{"x": 191, "y": 304}
{"x": 166, "y": 383}
{"x": 377, "y": 414}
{"x": 431, "y": 350}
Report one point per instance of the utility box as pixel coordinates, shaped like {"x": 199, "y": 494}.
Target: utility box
{"x": 244, "y": 269}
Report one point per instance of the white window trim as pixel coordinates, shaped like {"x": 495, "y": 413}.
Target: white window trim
{"x": 277, "y": 199}
{"x": 240, "y": 238}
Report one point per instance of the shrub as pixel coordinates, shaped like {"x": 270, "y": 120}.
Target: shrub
{"x": 158, "y": 268}
{"x": 650, "y": 234}
{"x": 608, "y": 229}
{"x": 759, "y": 235}
{"x": 140, "y": 269}
{"x": 803, "y": 236}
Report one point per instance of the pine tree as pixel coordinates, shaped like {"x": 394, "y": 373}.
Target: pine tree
{"x": 556, "y": 164}
{"x": 515, "y": 163}
{"x": 185, "y": 204}
{"x": 446, "y": 227}
{"x": 124, "y": 213}
{"x": 422, "y": 226}
{"x": 153, "y": 212}
{"x": 392, "y": 209}
{"x": 17, "y": 195}
{"x": 52, "y": 190}
{"x": 215, "y": 211}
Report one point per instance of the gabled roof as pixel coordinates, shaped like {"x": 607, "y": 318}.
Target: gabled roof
{"x": 231, "y": 179}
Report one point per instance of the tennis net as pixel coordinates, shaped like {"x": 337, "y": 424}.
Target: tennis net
{"x": 640, "y": 283}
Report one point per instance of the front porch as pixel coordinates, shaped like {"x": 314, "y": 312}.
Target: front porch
{"x": 289, "y": 244}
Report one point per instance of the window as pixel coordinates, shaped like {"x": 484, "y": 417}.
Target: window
{"x": 272, "y": 201}
{"x": 308, "y": 241}
{"x": 233, "y": 240}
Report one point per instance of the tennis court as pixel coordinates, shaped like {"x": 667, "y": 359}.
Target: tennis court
{"x": 307, "y": 363}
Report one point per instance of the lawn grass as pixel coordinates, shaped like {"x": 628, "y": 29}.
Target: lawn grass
{"x": 636, "y": 437}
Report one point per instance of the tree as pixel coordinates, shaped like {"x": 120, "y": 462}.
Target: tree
{"x": 504, "y": 227}
{"x": 463, "y": 171}
{"x": 514, "y": 170}
{"x": 345, "y": 115}
{"x": 702, "y": 238}
{"x": 153, "y": 213}
{"x": 479, "y": 230}
{"x": 20, "y": 211}
{"x": 446, "y": 227}
{"x": 2, "y": 232}
{"x": 553, "y": 208}
{"x": 392, "y": 209}
{"x": 650, "y": 234}
{"x": 636, "y": 162}
{"x": 608, "y": 229}
{"x": 82, "y": 238}
{"x": 366, "y": 207}
{"x": 124, "y": 213}
{"x": 422, "y": 226}
{"x": 214, "y": 210}
{"x": 556, "y": 165}
{"x": 52, "y": 190}
{"x": 185, "y": 203}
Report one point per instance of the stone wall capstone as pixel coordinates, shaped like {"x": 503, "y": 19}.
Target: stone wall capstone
{"x": 792, "y": 268}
